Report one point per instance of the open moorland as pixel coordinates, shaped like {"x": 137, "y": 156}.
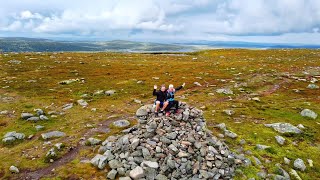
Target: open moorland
{"x": 78, "y": 96}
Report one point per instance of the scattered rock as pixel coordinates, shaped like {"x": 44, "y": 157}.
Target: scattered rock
{"x": 67, "y": 106}
{"x": 299, "y": 164}
{"x": 12, "y": 136}
{"x": 262, "y": 147}
{"x": 310, "y": 162}
{"x": 52, "y": 134}
{"x": 34, "y": 119}
{"x": 51, "y": 155}
{"x": 300, "y": 126}
{"x": 286, "y": 160}
{"x": 280, "y": 139}
{"x": 284, "y": 128}
{"x": 230, "y": 134}
{"x": 69, "y": 81}
{"x": 256, "y": 99}
{"x": 39, "y": 112}
{"x": 309, "y": 113}
{"x": 14, "y": 169}
{"x": 313, "y": 86}
{"x": 39, "y": 127}
{"x": 93, "y": 141}
{"x": 59, "y": 146}
{"x": 14, "y": 61}
{"x": 121, "y": 123}
{"x": 262, "y": 175}
{"x": 110, "y": 92}
{"x": 229, "y": 111}
{"x": 43, "y": 117}
{"x": 5, "y": 112}
{"x": 295, "y": 174}
{"x": 224, "y": 91}
{"x": 222, "y": 126}
{"x": 82, "y": 103}
{"x": 197, "y": 84}
{"x": 26, "y": 115}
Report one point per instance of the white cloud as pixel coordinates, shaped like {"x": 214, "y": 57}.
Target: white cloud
{"x": 183, "y": 19}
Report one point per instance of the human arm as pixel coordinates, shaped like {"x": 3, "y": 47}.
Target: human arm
{"x": 154, "y": 90}
{"x": 180, "y": 87}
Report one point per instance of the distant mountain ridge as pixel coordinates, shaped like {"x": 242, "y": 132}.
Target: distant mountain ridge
{"x": 15, "y": 44}
{"x": 23, "y": 44}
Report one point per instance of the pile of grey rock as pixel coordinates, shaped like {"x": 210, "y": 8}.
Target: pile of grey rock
{"x": 12, "y": 136}
{"x": 40, "y": 115}
{"x": 174, "y": 147}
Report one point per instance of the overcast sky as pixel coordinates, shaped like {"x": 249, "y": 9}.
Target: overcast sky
{"x": 280, "y": 21}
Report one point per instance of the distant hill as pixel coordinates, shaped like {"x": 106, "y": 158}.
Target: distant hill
{"x": 14, "y": 44}
{"x": 249, "y": 45}
{"x": 21, "y": 44}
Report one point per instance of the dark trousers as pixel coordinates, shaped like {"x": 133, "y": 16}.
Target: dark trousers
{"x": 171, "y": 104}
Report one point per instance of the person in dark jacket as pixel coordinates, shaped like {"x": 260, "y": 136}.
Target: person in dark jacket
{"x": 170, "y": 98}
{"x": 161, "y": 101}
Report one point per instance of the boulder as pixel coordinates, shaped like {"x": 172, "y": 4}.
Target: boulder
{"x": 26, "y": 115}
{"x": 284, "y": 128}
{"x": 299, "y": 164}
{"x": 82, "y": 103}
{"x": 93, "y": 141}
{"x": 14, "y": 169}
{"x": 280, "y": 139}
{"x": 121, "y": 123}
{"x": 34, "y": 119}
{"x": 12, "y": 136}
{"x": 110, "y": 92}
{"x": 309, "y": 113}
{"x": 52, "y": 134}
{"x": 67, "y": 106}
{"x": 43, "y": 117}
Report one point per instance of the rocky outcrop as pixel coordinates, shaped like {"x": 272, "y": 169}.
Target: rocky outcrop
{"x": 175, "y": 147}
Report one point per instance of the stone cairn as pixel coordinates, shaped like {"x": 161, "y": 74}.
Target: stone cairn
{"x": 160, "y": 147}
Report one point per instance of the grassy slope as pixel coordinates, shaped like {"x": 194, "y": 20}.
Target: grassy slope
{"x": 260, "y": 69}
